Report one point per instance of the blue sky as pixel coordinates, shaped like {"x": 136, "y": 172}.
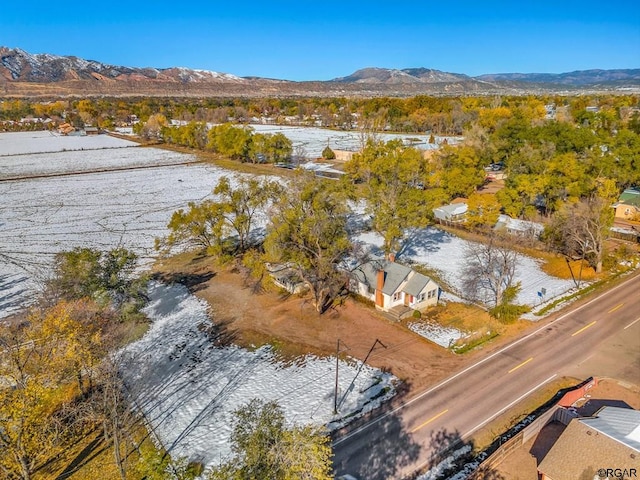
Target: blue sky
{"x": 324, "y": 39}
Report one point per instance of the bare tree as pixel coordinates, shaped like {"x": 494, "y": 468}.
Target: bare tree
{"x": 582, "y": 230}
{"x": 490, "y": 271}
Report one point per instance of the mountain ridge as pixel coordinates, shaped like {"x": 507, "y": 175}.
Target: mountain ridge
{"x": 27, "y": 74}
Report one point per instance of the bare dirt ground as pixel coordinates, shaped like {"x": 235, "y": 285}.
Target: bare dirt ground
{"x": 291, "y": 324}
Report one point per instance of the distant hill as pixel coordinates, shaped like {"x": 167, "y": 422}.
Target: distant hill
{"x": 407, "y": 75}
{"x": 24, "y": 74}
{"x": 576, "y": 79}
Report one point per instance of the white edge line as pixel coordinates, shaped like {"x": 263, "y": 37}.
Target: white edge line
{"x": 482, "y": 424}
{"x": 471, "y": 367}
{"x": 631, "y": 323}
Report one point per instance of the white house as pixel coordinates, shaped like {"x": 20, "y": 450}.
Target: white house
{"x": 452, "y": 213}
{"x": 394, "y": 286}
{"x": 520, "y": 228}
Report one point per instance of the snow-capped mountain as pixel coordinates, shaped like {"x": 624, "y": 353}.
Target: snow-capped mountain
{"x": 18, "y": 65}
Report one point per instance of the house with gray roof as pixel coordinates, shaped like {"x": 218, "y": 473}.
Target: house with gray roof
{"x": 391, "y": 285}
{"x": 606, "y": 445}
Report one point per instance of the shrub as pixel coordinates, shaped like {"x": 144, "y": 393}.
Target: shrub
{"x": 328, "y": 154}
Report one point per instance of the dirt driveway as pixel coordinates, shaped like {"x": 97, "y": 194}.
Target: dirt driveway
{"x": 292, "y": 326}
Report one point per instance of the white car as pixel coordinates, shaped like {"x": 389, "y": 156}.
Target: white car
{"x": 346, "y": 476}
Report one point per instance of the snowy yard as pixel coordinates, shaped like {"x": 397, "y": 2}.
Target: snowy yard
{"x": 188, "y": 388}
{"x": 444, "y": 252}
{"x": 443, "y": 336}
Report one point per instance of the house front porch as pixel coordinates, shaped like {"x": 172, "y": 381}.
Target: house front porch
{"x": 399, "y": 312}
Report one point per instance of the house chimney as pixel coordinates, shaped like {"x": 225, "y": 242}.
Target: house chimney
{"x": 379, "y": 287}
{"x": 392, "y": 257}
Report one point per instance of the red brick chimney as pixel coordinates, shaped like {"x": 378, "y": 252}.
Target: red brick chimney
{"x": 379, "y": 287}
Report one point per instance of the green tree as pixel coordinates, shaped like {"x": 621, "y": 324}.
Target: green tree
{"x": 265, "y": 448}
{"x": 271, "y": 148}
{"x": 308, "y": 230}
{"x": 226, "y": 223}
{"x": 483, "y": 210}
{"x": 392, "y": 178}
{"x": 241, "y": 204}
{"x": 459, "y": 171}
{"x": 86, "y": 272}
{"x": 200, "y": 226}
{"x": 230, "y": 140}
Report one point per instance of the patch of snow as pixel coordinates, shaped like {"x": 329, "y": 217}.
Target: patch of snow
{"x": 436, "y": 472}
{"x": 443, "y": 336}
{"x": 188, "y": 388}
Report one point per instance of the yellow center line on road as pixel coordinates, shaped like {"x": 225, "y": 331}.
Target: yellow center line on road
{"x": 523, "y": 363}
{"x": 583, "y": 329}
{"x": 429, "y": 421}
{"x": 615, "y": 308}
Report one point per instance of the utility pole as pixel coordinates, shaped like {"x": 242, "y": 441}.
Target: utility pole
{"x": 335, "y": 397}
{"x": 358, "y": 373}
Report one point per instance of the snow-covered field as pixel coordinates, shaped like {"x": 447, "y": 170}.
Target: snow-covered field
{"x": 314, "y": 140}
{"x": 22, "y": 143}
{"x": 41, "y": 217}
{"x": 444, "y": 252}
{"x": 37, "y": 164}
{"x": 188, "y": 388}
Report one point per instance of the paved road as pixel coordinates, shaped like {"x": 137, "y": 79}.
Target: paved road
{"x": 396, "y": 443}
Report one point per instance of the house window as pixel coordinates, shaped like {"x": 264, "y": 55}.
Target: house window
{"x": 397, "y": 296}
{"x": 421, "y": 297}
{"x": 432, "y": 293}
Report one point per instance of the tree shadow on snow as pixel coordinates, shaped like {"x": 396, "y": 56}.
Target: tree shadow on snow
{"x": 12, "y": 299}
{"x": 421, "y": 241}
{"x": 193, "y": 281}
